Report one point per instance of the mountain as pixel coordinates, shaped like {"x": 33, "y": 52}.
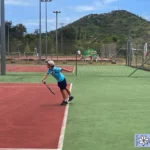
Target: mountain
{"x": 108, "y": 27}
{"x": 91, "y": 31}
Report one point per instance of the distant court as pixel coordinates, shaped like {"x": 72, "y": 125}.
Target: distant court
{"x": 32, "y": 68}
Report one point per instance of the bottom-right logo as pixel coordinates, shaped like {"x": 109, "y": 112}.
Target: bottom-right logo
{"x": 142, "y": 140}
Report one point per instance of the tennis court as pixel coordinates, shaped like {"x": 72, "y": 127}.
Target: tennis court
{"x": 108, "y": 109}
{"x": 31, "y": 117}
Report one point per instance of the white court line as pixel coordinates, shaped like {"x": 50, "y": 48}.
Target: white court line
{"x": 62, "y": 133}
{"x": 63, "y": 128}
{"x": 73, "y": 69}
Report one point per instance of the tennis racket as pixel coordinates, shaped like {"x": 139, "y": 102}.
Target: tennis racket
{"x": 49, "y": 88}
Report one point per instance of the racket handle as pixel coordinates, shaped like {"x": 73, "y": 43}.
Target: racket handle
{"x": 44, "y": 82}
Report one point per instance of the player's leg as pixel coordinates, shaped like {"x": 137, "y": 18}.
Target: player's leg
{"x": 63, "y": 94}
{"x": 67, "y": 90}
{"x": 62, "y": 87}
{"x": 69, "y": 93}
{"x": 65, "y": 101}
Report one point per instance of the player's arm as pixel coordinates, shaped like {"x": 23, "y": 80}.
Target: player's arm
{"x": 63, "y": 69}
{"x": 45, "y": 76}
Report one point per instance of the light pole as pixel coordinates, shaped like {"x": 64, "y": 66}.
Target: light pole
{"x": 56, "y": 12}
{"x": 2, "y": 37}
{"x": 40, "y": 30}
{"x": 46, "y": 25}
{"x": 40, "y": 48}
{"x": 8, "y": 39}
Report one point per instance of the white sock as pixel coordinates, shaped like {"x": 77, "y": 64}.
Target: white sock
{"x": 66, "y": 100}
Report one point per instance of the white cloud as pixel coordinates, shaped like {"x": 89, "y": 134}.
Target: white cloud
{"x": 97, "y": 4}
{"x": 110, "y": 1}
{"x": 65, "y": 20}
{"x": 83, "y": 8}
{"x": 32, "y": 25}
{"x": 19, "y": 2}
{"x": 34, "y": 22}
{"x": 103, "y": 3}
{"x": 147, "y": 17}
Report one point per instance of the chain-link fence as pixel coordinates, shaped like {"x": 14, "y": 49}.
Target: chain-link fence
{"x": 26, "y": 50}
{"x": 141, "y": 56}
{"x": 139, "y": 53}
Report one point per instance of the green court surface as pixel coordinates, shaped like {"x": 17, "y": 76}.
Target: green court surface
{"x": 108, "y": 108}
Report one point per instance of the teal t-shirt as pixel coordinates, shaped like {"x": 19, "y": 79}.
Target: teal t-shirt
{"x": 56, "y": 73}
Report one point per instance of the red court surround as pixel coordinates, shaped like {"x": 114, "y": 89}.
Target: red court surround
{"x": 32, "y": 68}
{"x": 30, "y": 116}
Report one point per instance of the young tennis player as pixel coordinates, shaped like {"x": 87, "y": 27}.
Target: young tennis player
{"x": 59, "y": 76}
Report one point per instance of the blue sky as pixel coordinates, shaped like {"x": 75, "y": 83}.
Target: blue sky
{"x": 27, "y": 11}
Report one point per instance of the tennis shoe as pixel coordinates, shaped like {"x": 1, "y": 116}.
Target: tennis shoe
{"x": 64, "y": 103}
{"x": 71, "y": 98}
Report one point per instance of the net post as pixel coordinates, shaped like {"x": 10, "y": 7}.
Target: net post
{"x": 76, "y": 63}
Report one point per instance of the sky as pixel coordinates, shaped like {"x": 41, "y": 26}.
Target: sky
{"x": 27, "y": 11}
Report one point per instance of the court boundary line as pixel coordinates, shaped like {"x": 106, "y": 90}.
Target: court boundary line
{"x": 63, "y": 128}
{"x": 73, "y": 69}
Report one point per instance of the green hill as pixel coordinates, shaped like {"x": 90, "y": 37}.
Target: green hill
{"x": 114, "y": 26}
{"x": 91, "y": 31}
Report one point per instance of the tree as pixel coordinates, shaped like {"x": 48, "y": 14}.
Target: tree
{"x": 27, "y": 49}
{"x": 18, "y": 31}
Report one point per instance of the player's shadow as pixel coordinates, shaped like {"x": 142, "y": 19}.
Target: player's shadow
{"x": 54, "y": 105}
